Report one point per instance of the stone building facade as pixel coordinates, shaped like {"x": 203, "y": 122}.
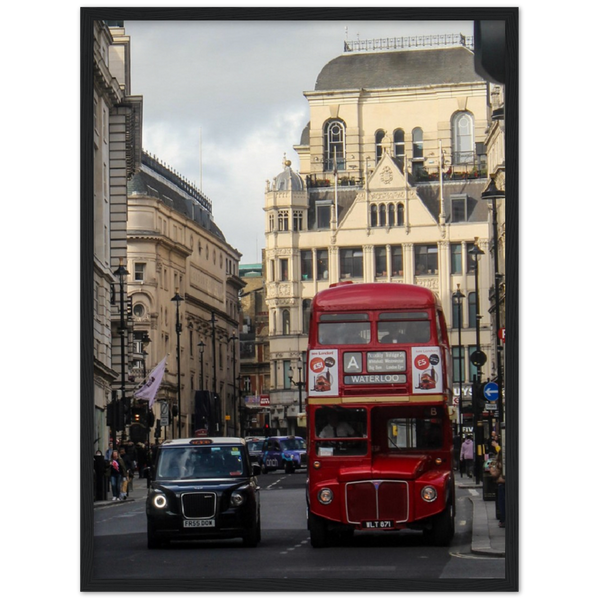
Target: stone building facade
{"x": 392, "y": 167}
{"x": 175, "y": 247}
{"x": 117, "y": 117}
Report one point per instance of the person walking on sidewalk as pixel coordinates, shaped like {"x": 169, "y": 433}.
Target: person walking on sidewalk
{"x": 467, "y": 454}
{"x": 117, "y": 472}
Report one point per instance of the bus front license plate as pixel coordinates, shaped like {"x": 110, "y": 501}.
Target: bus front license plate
{"x": 199, "y": 523}
{"x": 378, "y": 524}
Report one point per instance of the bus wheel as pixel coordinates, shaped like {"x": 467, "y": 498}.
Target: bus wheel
{"x": 318, "y": 531}
{"x": 442, "y": 530}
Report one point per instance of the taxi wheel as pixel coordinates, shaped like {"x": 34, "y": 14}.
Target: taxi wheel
{"x": 263, "y": 468}
{"x": 251, "y": 539}
{"x": 289, "y": 468}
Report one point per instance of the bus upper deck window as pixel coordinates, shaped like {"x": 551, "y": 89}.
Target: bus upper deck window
{"x": 344, "y": 329}
{"x": 403, "y": 327}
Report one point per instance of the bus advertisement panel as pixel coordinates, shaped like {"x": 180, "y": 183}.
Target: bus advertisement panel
{"x": 379, "y": 432}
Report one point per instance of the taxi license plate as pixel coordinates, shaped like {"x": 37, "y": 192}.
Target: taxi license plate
{"x": 378, "y": 524}
{"x": 199, "y": 523}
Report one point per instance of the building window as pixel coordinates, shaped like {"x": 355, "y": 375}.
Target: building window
{"x": 471, "y": 260}
{"x": 351, "y": 263}
{"x": 391, "y": 215}
{"x": 399, "y": 147}
{"x": 322, "y": 265}
{"x": 139, "y": 271}
{"x": 335, "y": 145}
{"x": 463, "y": 143}
{"x": 297, "y": 220}
{"x": 426, "y": 259}
{"x": 459, "y": 208}
{"x": 323, "y": 214}
{"x": 397, "y": 261}
{"x": 382, "y": 215}
{"x": 373, "y": 215}
{"x": 417, "y": 138}
{"x": 284, "y": 266}
{"x": 456, "y": 259}
{"x": 379, "y": 135}
{"x": 380, "y": 261}
{"x": 271, "y": 222}
{"x": 284, "y": 224}
{"x": 457, "y": 375}
{"x": 285, "y": 322}
{"x": 287, "y": 383}
{"x": 306, "y": 304}
{"x": 400, "y": 214}
{"x": 306, "y": 265}
{"x": 472, "y": 367}
{"x": 472, "y": 310}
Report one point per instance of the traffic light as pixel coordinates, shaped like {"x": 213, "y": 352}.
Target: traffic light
{"x": 267, "y": 431}
{"x": 478, "y": 397}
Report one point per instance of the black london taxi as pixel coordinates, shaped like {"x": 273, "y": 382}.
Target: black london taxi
{"x": 203, "y": 488}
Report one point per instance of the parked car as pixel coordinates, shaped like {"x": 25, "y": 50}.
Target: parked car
{"x": 203, "y": 488}
{"x": 255, "y": 446}
{"x": 283, "y": 452}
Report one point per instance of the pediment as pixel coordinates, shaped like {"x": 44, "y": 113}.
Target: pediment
{"x": 387, "y": 176}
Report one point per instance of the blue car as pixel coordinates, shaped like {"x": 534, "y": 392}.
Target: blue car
{"x": 283, "y": 452}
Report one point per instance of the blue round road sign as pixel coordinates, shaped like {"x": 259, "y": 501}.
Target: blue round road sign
{"x": 490, "y": 391}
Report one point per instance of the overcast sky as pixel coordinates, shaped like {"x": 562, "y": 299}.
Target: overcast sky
{"x": 223, "y": 101}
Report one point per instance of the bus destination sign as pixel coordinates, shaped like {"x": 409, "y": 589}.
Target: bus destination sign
{"x": 386, "y": 362}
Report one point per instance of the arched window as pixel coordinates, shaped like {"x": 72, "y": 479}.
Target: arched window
{"x": 391, "y": 215}
{"x": 399, "y": 147}
{"x": 417, "y": 138}
{"x": 379, "y": 135}
{"x": 285, "y": 322}
{"x": 463, "y": 142}
{"x": 382, "y": 219}
{"x": 373, "y": 215}
{"x": 334, "y": 145}
{"x": 400, "y": 213}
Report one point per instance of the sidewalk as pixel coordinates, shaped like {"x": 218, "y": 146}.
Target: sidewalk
{"x": 487, "y": 537}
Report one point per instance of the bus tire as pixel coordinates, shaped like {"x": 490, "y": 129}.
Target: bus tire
{"x": 442, "y": 530}
{"x": 318, "y": 531}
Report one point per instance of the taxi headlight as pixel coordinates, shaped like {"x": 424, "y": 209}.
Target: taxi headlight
{"x": 429, "y": 493}
{"x": 236, "y": 499}
{"x": 325, "y": 496}
{"x": 160, "y": 501}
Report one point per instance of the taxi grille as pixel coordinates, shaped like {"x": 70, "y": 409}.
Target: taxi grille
{"x": 198, "y": 505}
{"x": 377, "y": 500}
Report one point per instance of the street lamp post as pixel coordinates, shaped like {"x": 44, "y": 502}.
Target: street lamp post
{"x": 201, "y": 346}
{"x": 121, "y": 272}
{"x": 298, "y": 383}
{"x": 458, "y": 298}
{"x": 213, "y": 320}
{"x": 493, "y": 193}
{"x": 177, "y": 299}
{"x": 478, "y": 358}
{"x": 233, "y": 339}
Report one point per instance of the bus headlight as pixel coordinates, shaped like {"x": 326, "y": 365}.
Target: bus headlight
{"x": 160, "y": 501}
{"x": 325, "y": 496}
{"x": 428, "y": 493}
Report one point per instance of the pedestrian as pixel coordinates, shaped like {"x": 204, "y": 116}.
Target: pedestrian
{"x": 467, "y": 454}
{"x": 496, "y": 473}
{"x": 108, "y": 453}
{"x": 127, "y": 461}
{"x": 117, "y": 472}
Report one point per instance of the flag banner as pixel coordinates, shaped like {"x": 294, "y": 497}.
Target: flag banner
{"x": 150, "y": 388}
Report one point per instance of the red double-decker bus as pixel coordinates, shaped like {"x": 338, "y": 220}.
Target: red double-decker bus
{"x": 379, "y": 432}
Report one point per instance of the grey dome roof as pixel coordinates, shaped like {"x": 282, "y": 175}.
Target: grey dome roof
{"x": 398, "y": 69}
{"x": 288, "y": 180}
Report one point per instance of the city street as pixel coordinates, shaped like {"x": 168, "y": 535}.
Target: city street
{"x": 120, "y": 551}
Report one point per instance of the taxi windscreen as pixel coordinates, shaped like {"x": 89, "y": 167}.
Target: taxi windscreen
{"x": 200, "y": 462}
